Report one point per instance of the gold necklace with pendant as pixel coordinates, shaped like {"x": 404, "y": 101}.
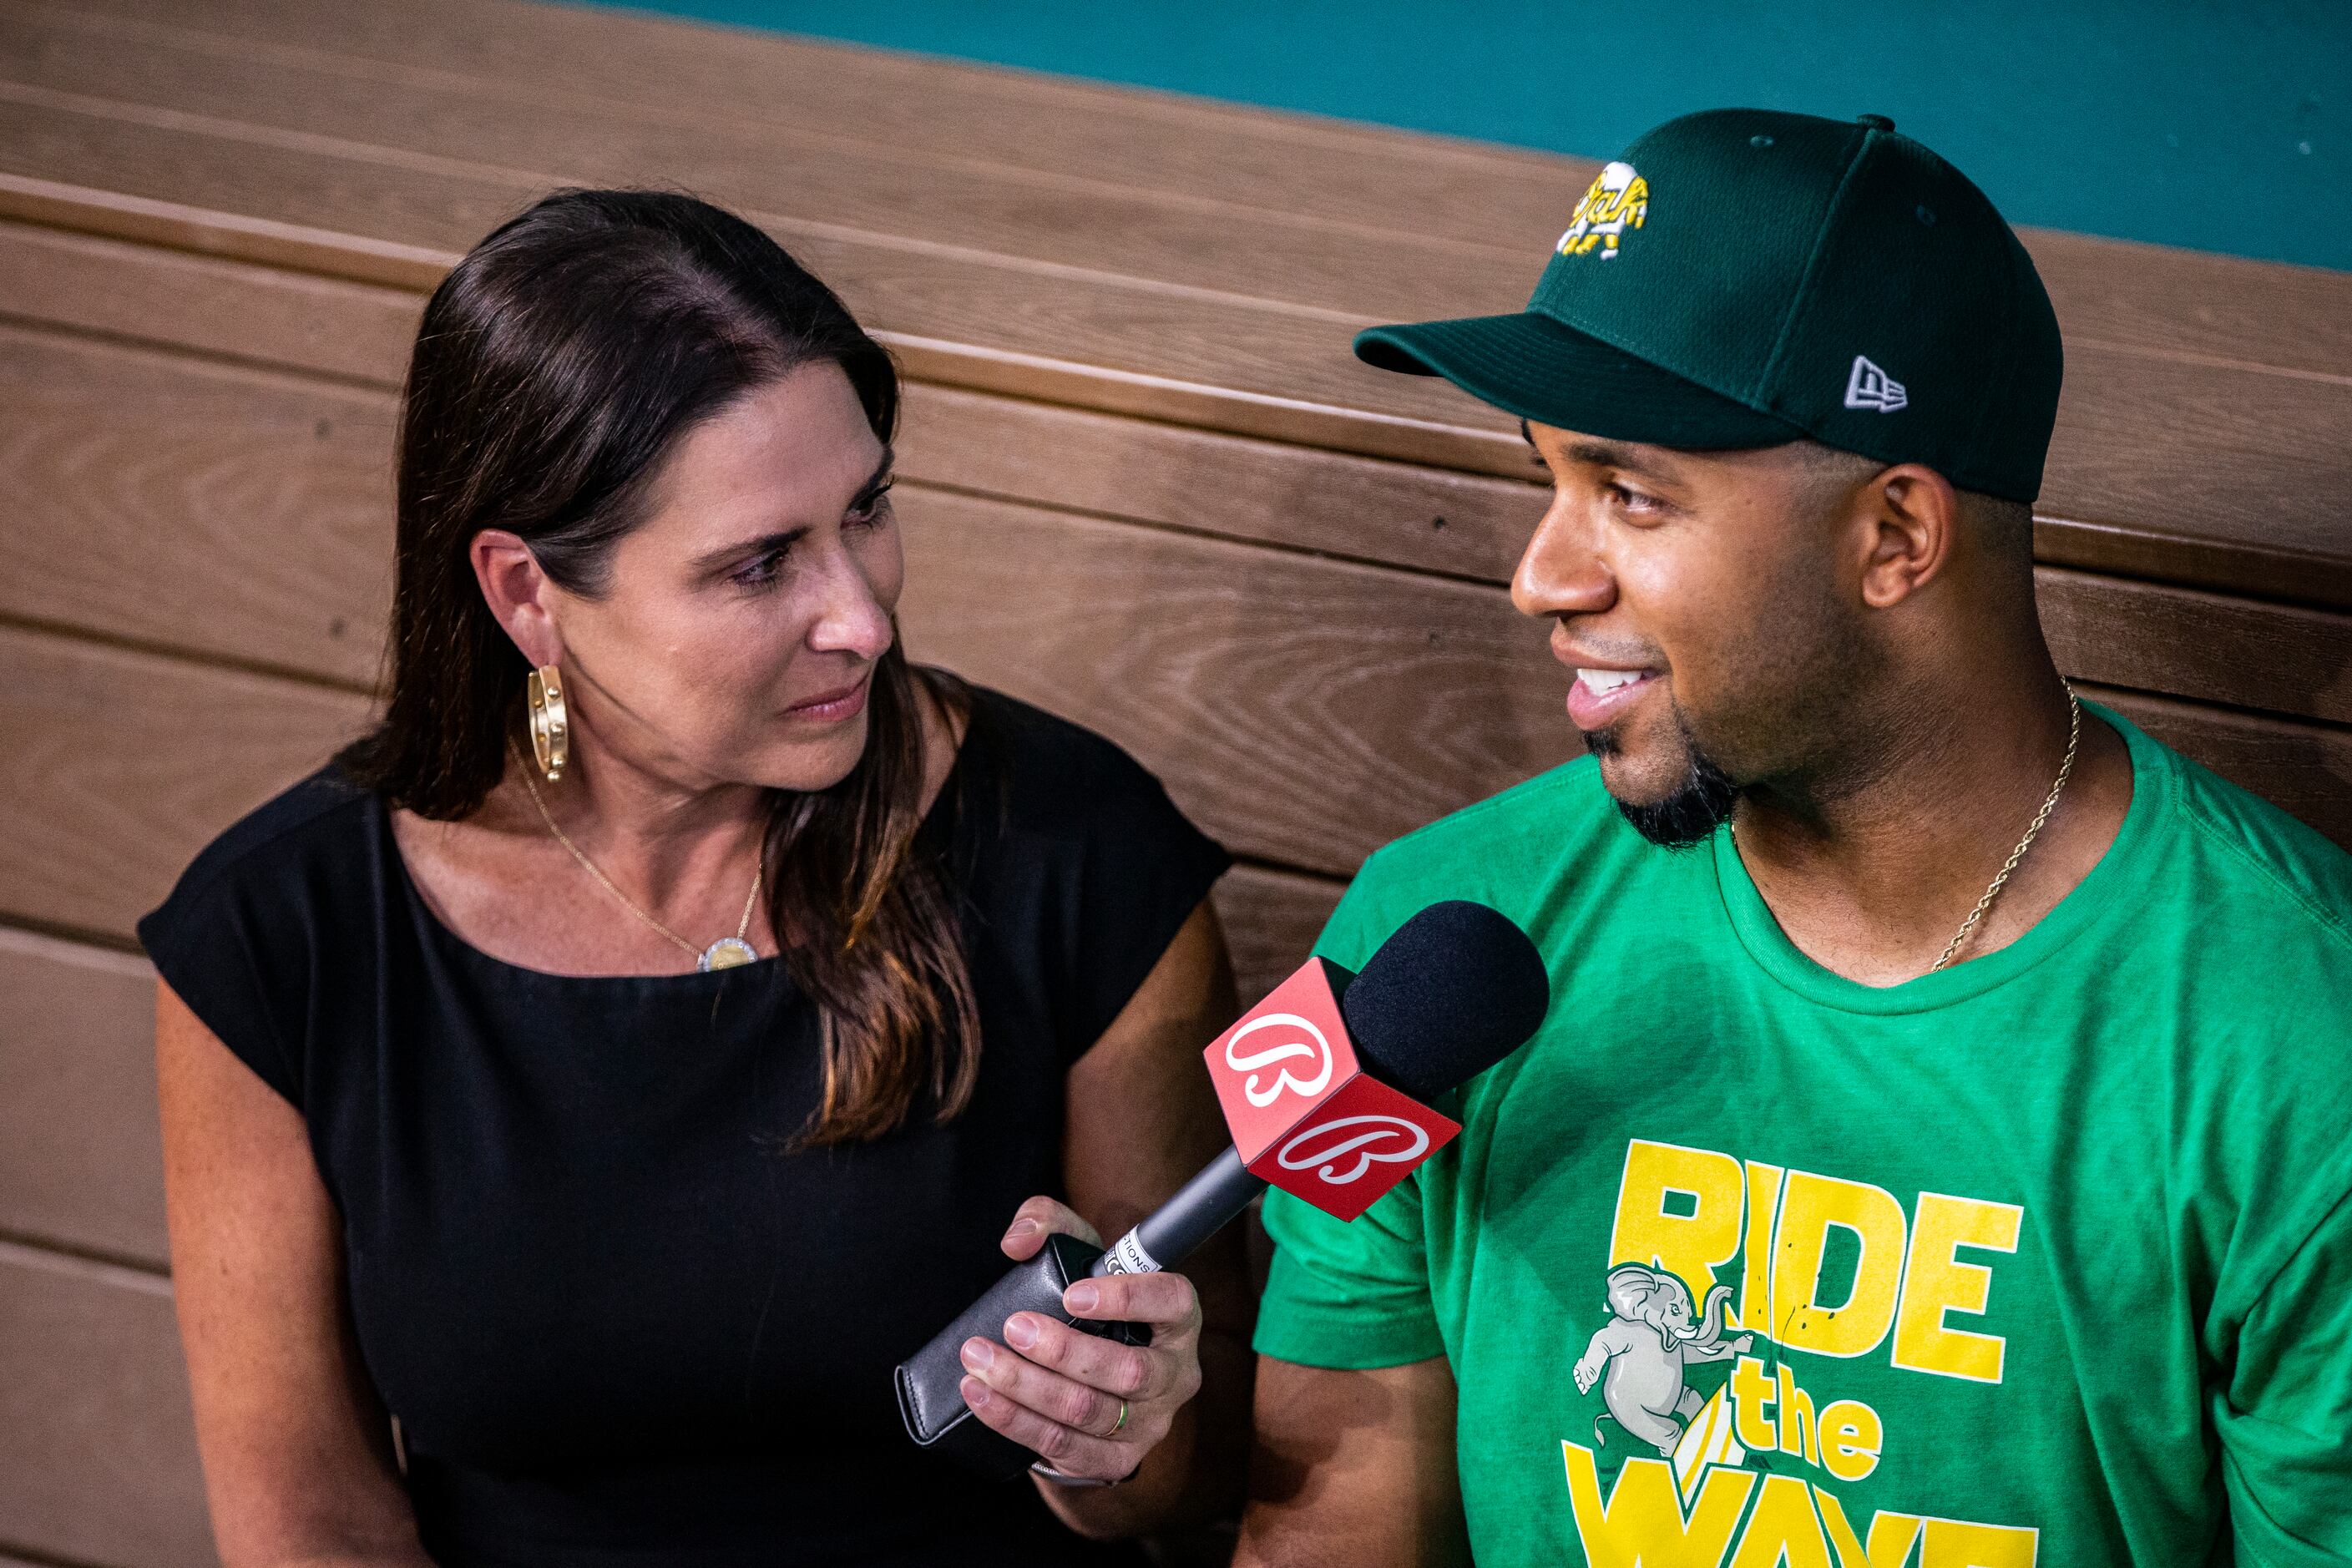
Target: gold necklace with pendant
{"x": 726, "y": 952}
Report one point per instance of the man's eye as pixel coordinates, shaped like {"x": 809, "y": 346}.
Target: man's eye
{"x": 1633, "y": 499}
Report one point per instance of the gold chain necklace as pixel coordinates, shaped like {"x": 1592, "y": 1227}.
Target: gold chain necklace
{"x": 2073, "y": 735}
{"x": 726, "y": 952}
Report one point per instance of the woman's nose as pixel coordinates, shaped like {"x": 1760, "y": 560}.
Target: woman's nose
{"x": 853, "y": 620}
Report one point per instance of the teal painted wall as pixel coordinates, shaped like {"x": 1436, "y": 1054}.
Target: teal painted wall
{"x": 2215, "y": 126}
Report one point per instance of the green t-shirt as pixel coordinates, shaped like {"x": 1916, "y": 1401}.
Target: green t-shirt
{"x": 2047, "y": 1257}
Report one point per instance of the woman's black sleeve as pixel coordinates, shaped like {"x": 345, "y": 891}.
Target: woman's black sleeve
{"x": 1133, "y": 868}
{"x": 219, "y": 942}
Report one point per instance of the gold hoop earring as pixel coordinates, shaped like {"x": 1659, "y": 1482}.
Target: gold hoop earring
{"x": 551, "y": 728}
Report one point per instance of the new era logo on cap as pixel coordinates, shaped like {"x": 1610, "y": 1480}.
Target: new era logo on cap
{"x": 1867, "y": 387}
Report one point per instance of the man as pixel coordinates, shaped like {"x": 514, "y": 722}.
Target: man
{"x": 1938, "y": 1152}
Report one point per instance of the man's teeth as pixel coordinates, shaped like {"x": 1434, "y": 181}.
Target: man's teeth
{"x": 1601, "y": 682}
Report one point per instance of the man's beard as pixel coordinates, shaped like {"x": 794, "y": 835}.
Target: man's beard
{"x": 1690, "y": 813}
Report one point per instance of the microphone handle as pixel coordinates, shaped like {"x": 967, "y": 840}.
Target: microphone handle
{"x": 1167, "y": 1236}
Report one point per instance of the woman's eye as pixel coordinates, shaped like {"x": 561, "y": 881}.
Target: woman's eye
{"x": 760, "y": 571}
{"x": 871, "y": 509}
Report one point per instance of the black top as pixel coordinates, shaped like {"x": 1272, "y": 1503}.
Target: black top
{"x": 618, "y": 1322}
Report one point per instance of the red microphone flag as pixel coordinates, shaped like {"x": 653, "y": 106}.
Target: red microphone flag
{"x": 1304, "y": 1115}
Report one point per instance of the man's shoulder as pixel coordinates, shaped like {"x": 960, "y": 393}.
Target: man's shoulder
{"x": 2259, "y": 873}
{"x": 1562, "y": 813}
{"x": 1516, "y": 851}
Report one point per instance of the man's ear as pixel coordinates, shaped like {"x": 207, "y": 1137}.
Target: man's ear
{"x": 519, "y": 593}
{"x": 1914, "y": 524}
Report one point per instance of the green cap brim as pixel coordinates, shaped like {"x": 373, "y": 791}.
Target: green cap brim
{"x": 1533, "y": 366}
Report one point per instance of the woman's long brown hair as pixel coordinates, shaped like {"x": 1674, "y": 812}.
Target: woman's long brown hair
{"x": 556, "y": 367}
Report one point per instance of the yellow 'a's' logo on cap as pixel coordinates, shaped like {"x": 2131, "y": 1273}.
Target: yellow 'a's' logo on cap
{"x": 1618, "y": 200}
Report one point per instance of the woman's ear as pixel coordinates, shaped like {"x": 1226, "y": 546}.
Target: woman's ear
{"x": 518, "y": 592}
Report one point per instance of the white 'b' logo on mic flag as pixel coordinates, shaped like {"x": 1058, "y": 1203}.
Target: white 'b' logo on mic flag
{"x": 1314, "y": 1047}
{"x": 1326, "y": 1144}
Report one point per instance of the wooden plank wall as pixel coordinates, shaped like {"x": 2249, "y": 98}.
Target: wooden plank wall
{"x": 1145, "y": 485}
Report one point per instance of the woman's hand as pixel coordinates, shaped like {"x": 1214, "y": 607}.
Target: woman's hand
{"x": 1091, "y": 1407}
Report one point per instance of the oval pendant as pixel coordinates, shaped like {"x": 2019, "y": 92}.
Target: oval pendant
{"x": 726, "y": 952}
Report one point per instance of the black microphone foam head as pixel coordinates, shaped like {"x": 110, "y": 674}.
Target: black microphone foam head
{"x": 1453, "y": 991}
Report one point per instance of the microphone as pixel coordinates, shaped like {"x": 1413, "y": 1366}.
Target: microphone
{"x": 1321, "y": 1084}
{"x": 1321, "y": 1081}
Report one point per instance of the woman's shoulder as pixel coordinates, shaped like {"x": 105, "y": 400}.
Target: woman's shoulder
{"x": 1058, "y": 795}
{"x": 1054, "y": 774}
{"x": 321, "y": 820}
{"x": 323, "y": 811}
{"x": 240, "y": 939}
{"x": 1088, "y": 856}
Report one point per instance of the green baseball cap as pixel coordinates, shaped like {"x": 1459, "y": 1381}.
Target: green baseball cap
{"x": 1744, "y": 277}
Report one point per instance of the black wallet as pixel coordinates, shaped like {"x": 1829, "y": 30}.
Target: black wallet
{"x": 930, "y": 1381}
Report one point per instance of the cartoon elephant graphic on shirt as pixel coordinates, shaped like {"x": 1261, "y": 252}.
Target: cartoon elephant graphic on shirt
{"x": 1653, "y": 1335}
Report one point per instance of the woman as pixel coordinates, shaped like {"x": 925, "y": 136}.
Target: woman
{"x": 579, "y": 1095}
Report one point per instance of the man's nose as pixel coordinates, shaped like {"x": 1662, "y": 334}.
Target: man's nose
{"x": 1560, "y": 573}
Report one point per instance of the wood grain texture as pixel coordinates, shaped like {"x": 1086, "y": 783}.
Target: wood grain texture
{"x": 1135, "y": 428}
{"x": 838, "y": 180}
{"x": 1271, "y": 921}
{"x": 1366, "y": 509}
{"x": 2243, "y": 502}
{"x": 80, "y": 1161}
{"x": 108, "y": 808}
{"x": 104, "y": 818}
{"x": 2186, "y": 642}
{"x": 212, "y": 231}
{"x": 1269, "y": 691}
{"x": 2195, "y": 306}
{"x": 2191, "y": 469}
{"x": 1435, "y": 520}
{"x": 1486, "y": 517}
{"x": 2198, "y": 474}
{"x": 1369, "y": 184}
{"x": 218, "y": 168}
{"x": 120, "y": 765}
{"x": 743, "y": 85}
{"x": 957, "y": 314}
{"x": 98, "y": 1452}
{"x": 267, "y": 315}
{"x": 194, "y": 506}
{"x": 233, "y": 512}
